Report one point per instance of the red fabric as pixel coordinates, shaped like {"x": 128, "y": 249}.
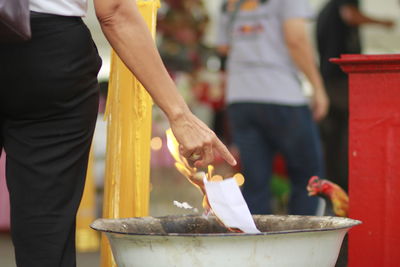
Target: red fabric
{"x": 202, "y": 91}
{"x": 279, "y": 166}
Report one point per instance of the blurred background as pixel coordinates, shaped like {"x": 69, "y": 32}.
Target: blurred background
{"x": 186, "y": 38}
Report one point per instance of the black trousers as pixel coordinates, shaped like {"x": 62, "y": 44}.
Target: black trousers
{"x": 48, "y": 109}
{"x": 335, "y": 132}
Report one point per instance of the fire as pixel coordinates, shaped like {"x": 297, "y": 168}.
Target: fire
{"x": 193, "y": 175}
{"x": 183, "y": 166}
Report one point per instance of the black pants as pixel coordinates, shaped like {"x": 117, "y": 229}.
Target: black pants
{"x": 48, "y": 109}
{"x": 335, "y": 132}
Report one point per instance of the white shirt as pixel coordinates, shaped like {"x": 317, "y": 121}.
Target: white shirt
{"x": 60, "y": 7}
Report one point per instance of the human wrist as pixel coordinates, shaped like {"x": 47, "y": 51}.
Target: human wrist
{"x": 318, "y": 86}
{"x": 177, "y": 112}
{"x": 319, "y": 90}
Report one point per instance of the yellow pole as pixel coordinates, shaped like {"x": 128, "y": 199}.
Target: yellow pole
{"x": 87, "y": 239}
{"x": 128, "y": 112}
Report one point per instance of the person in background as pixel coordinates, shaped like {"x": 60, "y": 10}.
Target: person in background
{"x": 181, "y": 49}
{"x": 337, "y": 33}
{"x": 48, "y": 109}
{"x": 267, "y": 44}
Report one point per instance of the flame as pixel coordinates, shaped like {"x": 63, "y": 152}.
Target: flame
{"x": 173, "y": 147}
{"x": 216, "y": 178}
{"x": 194, "y": 176}
{"x": 182, "y": 165}
{"x": 210, "y": 170}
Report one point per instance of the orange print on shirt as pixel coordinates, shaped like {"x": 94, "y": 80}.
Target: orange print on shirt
{"x": 248, "y": 5}
{"x": 247, "y": 29}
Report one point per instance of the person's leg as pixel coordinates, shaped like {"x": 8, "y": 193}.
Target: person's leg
{"x": 331, "y": 144}
{"x": 46, "y": 170}
{"x": 255, "y": 156}
{"x": 300, "y": 145}
{"x": 49, "y": 118}
{"x": 334, "y": 132}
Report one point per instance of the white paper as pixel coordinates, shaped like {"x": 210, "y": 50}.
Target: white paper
{"x": 228, "y": 204}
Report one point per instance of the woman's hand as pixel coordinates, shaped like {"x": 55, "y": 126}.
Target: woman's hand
{"x": 198, "y": 143}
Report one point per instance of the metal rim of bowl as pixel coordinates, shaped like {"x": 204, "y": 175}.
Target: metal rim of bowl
{"x": 351, "y": 223}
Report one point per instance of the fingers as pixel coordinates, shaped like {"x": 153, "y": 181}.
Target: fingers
{"x": 224, "y": 152}
{"x": 206, "y": 158}
{"x": 203, "y": 154}
{"x": 320, "y": 107}
{"x": 319, "y": 114}
{"x": 185, "y": 152}
{"x": 192, "y": 153}
{"x": 198, "y": 143}
{"x": 200, "y": 155}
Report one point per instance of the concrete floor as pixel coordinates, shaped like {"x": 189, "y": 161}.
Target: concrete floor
{"x": 7, "y": 254}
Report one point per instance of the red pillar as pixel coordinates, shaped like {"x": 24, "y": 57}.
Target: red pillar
{"x": 374, "y": 158}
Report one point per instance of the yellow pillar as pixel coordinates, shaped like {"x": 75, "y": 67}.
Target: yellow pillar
{"x": 128, "y": 112}
{"x": 87, "y": 239}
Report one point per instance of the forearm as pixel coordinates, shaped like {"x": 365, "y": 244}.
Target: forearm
{"x": 303, "y": 57}
{"x": 128, "y": 35}
{"x": 353, "y": 16}
{"x": 301, "y": 52}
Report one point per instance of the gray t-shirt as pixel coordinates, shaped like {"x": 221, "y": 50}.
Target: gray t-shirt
{"x": 260, "y": 68}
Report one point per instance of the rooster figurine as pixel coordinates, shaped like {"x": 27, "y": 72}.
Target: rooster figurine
{"x": 331, "y": 192}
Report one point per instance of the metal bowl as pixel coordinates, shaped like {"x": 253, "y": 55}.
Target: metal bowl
{"x": 183, "y": 241}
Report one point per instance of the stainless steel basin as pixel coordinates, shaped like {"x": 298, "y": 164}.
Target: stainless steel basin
{"x": 195, "y": 241}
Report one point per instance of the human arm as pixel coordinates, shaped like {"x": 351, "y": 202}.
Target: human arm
{"x": 127, "y": 33}
{"x": 352, "y": 15}
{"x": 300, "y": 49}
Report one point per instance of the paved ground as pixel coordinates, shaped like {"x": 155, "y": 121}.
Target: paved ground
{"x": 7, "y": 255}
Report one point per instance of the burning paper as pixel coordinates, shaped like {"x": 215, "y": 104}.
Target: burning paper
{"x": 227, "y": 202}
{"x": 222, "y": 197}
